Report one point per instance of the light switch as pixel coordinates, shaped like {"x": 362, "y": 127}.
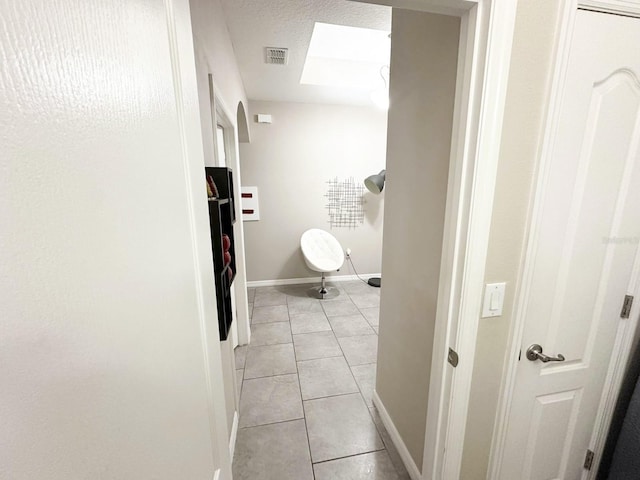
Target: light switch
{"x": 493, "y": 300}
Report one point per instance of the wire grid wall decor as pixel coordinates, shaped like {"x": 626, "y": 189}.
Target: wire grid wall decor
{"x": 345, "y": 203}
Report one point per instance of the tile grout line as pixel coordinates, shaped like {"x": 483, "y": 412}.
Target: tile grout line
{"x": 333, "y": 396}
{"x": 274, "y": 423}
{"x": 304, "y": 413}
{"x": 318, "y": 358}
{"x": 367, "y": 320}
{"x": 349, "y": 367}
{"x": 384, "y": 449}
{"x": 376, "y": 363}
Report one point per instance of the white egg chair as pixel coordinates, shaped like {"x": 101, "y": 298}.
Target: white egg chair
{"x": 322, "y": 253}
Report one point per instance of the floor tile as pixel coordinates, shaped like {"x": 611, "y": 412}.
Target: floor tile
{"x": 251, "y": 294}
{"x": 275, "y": 313}
{"x": 336, "y": 296}
{"x": 299, "y": 305}
{"x": 360, "y": 350}
{"x": 297, "y": 290}
{"x": 376, "y": 329}
{"x": 270, "y": 360}
{"x": 250, "y": 310}
{"x": 350, "y": 325}
{"x": 357, "y": 286}
{"x": 309, "y": 346}
{"x": 339, "y": 427}
{"x": 368, "y": 466}
{"x": 365, "y": 300}
{"x": 333, "y": 309}
{"x": 309, "y": 322}
{"x": 324, "y": 377}
{"x": 270, "y": 333}
{"x": 269, "y": 298}
{"x": 395, "y": 457}
{"x": 372, "y": 315}
{"x": 337, "y": 284}
{"x": 241, "y": 355}
{"x": 270, "y": 289}
{"x": 270, "y": 400}
{"x": 365, "y": 376}
{"x": 273, "y": 452}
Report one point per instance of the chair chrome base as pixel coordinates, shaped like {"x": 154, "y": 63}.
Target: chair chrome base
{"x": 323, "y": 291}
{"x": 323, "y": 287}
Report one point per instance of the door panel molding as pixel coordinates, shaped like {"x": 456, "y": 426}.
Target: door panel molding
{"x": 551, "y": 454}
{"x": 627, "y": 327}
{"x": 630, "y": 8}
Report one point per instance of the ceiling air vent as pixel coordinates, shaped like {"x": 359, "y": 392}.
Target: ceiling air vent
{"x": 277, "y": 56}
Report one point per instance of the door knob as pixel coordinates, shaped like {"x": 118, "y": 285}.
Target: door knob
{"x": 534, "y": 352}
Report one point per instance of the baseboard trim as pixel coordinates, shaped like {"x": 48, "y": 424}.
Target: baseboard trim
{"x": 410, "y": 465}
{"x": 295, "y": 281}
{"x": 234, "y": 434}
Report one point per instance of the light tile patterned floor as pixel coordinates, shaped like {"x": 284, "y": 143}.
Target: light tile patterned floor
{"x": 306, "y": 383}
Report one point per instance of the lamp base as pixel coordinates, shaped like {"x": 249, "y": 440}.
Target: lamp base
{"x": 375, "y": 281}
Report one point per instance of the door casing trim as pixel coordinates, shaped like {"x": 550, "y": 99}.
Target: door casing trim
{"x": 484, "y": 56}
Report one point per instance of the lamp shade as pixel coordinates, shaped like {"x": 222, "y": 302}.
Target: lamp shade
{"x": 375, "y": 183}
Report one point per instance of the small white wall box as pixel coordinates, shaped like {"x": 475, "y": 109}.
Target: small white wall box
{"x": 250, "y": 204}
{"x": 264, "y": 118}
{"x": 493, "y": 300}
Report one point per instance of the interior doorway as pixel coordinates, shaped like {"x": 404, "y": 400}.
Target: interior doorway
{"x": 483, "y": 66}
{"x": 226, "y": 136}
{"x": 225, "y": 133}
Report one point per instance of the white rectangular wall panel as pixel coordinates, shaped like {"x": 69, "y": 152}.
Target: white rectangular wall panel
{"x": 250, "y": 204}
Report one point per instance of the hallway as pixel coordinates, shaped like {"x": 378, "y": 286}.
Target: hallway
{"x": 306, "y": 384}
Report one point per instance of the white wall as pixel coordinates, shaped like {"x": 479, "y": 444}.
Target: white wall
{"x": 525, "y": 108}
{"x": 424, "y": 55}
{"x": 290, "y": 161}
{"x": 214, "y": 55}
{"x": 102, "y": 361}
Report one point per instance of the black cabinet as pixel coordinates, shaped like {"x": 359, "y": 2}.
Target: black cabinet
{"x": 221, "y": 219}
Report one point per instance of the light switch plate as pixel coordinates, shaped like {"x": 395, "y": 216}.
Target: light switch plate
{"x": 493, "y": 300}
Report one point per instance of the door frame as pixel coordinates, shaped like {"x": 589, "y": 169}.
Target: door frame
{"x": 220, "y": 119}
{"x": 183, "y": 65}
{"x": 626, "y": 328}
{"x": 486, "y": 33}
{"x": 221, "y": 114}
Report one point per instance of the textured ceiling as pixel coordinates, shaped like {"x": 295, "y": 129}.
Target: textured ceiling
{"x": 256, "y": 24}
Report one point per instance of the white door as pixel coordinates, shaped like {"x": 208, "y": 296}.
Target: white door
{"x": 585, "y": 258}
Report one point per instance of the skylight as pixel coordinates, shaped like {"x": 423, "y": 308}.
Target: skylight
{"x": 346, "y": 57}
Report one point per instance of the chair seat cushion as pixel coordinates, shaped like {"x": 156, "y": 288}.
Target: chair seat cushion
{"x": 322, "y": 252}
